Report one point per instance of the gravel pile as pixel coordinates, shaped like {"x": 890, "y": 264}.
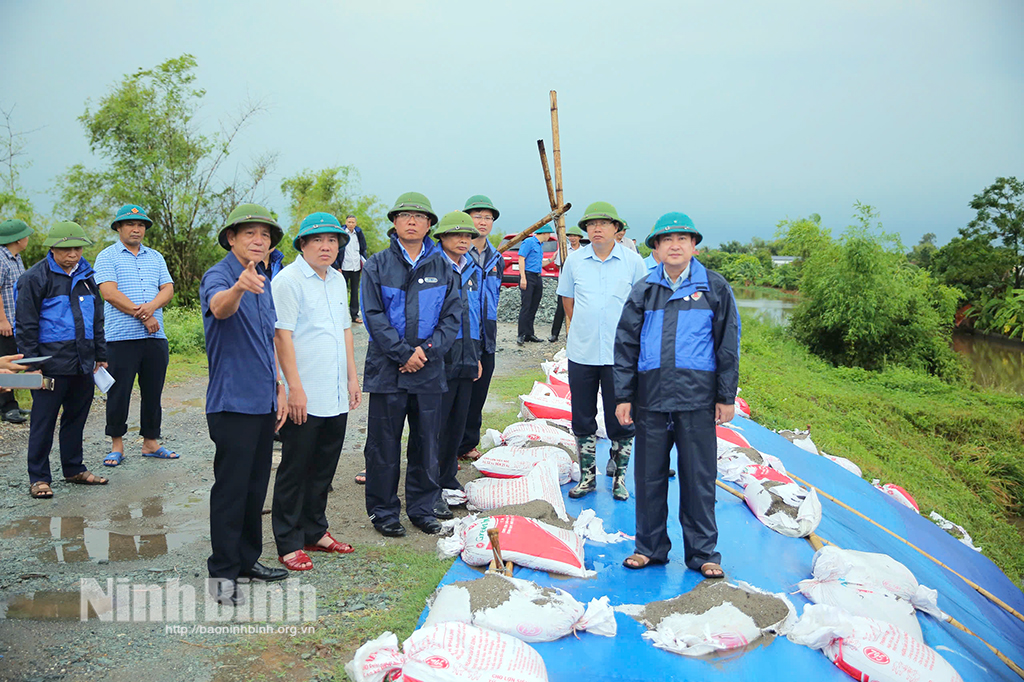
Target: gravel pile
{"x": 491, "y": 591}
{"x": 765, "y": 609}
{"x": 777, "y": 504}
{"x": 534, "y": 509}
{"x": 508, "y": 307}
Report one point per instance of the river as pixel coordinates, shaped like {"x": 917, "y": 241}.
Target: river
{"x": 997, "y": 364}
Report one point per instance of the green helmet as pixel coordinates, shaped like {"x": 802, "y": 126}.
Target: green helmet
{"x": 480, "y": 201}
{"x": 623, "y": 226}
{"x": 250, "y": 213}
{"x": 456, "y": 222}
{"x": 575, "y": 229}
{"x": 412, "y": 201}
{"x": 320, "y": 223}
{"x": 131, "y": 212}
{"x": 67, "y": 235}
{"x": 600, "y": 209}
{"x": 13, "y": 230}
{"x": 672, "y": 222}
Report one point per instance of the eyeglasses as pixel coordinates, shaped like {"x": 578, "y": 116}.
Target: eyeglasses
{"x": 419, "y": 217}
{"x": 599, "y": 223}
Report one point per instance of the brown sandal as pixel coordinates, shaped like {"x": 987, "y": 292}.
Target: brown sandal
{"x": 639, "y": 561}
{"x": 712, "y": 570}
{"x": 86, "y": 478}
{"x": 41, "y": 490}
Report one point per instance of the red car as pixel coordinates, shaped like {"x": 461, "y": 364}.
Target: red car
{"x": 510, "y": 278}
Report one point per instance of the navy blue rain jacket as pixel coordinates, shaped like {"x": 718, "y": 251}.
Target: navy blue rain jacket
{"x": 461, "y": 360}
{"x": 60, "y": 315}
{"x": 490, "y": 274}
{"x": 678, "y": 351}
{"x": 405, "y": 306}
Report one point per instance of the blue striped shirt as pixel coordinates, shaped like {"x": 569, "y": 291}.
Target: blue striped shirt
{"x": 137, "y": 277}
{"x": 11, "y": 268}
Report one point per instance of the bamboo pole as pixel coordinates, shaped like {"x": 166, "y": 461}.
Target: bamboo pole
{"x": 557, "y": 154}
{"x": 817, "y": 542}
{"x": 547, "y": 174}
{"x": 991, "y": 597}
{"x": 561, "y": 210}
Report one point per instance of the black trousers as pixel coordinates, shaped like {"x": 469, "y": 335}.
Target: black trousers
{"x": 454, "y": 410}
{"x": 352, "y": 282}
{"x": 475, "y": 411}
{"x": 241, "y": 471}
{"x": 556, "y": 323}
{"x": 529, "y": 301}
{"x": 7, "y": 400}
{"x": 147, "y": 359}
{"x": 693, "y": 434}
{"x": 309, "y": 458}
{"x": 73, "y": 392}
{"x": 584, "y": 380}
{"x": 385, "y": 421}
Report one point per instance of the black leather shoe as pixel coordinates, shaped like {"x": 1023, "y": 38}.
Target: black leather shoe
{"x": 390, "y": 530}
{"x": 443, "y": 511}
{"x": 13, "y": 416}
{"x": 263, "y": 574}
{"x": 533, "y": 339}
{"x": 429, "y": 525}
{"x": 224, "y": 592}
{"x": 24, "y": 412}
{"x": 521, "y": 340}
{"x": 552, "y": 338}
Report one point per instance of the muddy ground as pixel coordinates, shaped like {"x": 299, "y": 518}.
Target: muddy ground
{"x": 151, "y": 525}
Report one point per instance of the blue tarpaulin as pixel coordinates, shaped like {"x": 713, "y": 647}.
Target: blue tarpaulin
{"x": 755, "y": 554}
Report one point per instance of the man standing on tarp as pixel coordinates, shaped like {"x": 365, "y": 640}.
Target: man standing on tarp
{"x": 676, "y": 371}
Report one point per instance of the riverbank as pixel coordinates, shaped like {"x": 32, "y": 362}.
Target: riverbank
{"x": 956, "y": 449}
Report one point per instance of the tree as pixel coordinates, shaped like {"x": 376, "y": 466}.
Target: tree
{"x": 972, "y": 265}
{"x": 146, "y": 130}
{"x": 1001, "y": 216}
{"x": 921, "y": 255}
{"x": 336, "y": 191}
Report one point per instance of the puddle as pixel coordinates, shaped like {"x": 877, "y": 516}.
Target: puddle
{"x": 52, "y": 605}
{"x": 720, "y": 658}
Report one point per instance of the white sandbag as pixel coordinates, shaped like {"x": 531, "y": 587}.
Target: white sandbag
{"x": 801, "y": 439}
{"x": 860, "y": 600}
{"x": 953, "y": 529}
{"x": 897, "y": 493}
{"x": 509, "y": 461}
{"x": 532, "y": 613}
{"x": 808, "y": 508}
{"x": 742, "y": 408}
{"x": 868, "y": 649}
{"x": 524, "y": 542}
{"x": 448, "y": 652}
{"x": 879, "y": 572}
{"x": 454, "y": 497}
{"x": 846, "y": 464}
{"x": 544, "y": 407}
{"x": 522, "y": 433}
{"x": 590, "y": 527}
{"x": 736, "y": 465}
{"x": 491, "y": 439}
{"x": 540, "y": 484}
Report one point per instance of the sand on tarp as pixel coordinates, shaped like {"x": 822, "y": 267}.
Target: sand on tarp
{"x": 752, "y": 454}
{"x": 777, "y": 504}
{"x": 765, "y": 609}
{"x": 491, "y": 591}
{"x": 541, "y": 444}
{"x": 534, "y": 509}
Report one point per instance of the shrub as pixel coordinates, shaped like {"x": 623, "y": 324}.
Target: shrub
{"x": 184, "y": 329}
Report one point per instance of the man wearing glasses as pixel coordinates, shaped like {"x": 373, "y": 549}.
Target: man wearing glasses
{"x": 594, "y": 284}
{"x": 412, "y": 312}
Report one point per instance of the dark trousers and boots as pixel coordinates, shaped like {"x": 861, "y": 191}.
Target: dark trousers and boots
{"x": 556, "y": 323}
{"x": 529, "y": 301}
{"x": 475, "y": 413}
{"x": 73, "y": 393}
{"x": 10, "y": 411}
{"x": 454, "y": 410}
{"x": 352, "y": 282}
{"x": 146, "y": 359}
{"x": 385, "y": 421}
{"x": 693, "y": 434}
{"x": 309, "y": 459}
{"x": 584, "y": 381}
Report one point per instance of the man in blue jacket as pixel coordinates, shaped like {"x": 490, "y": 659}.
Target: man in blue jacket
{"x": 59, "y": 313}
{"x": 411, "y": 310}
{"x": 490, "y": 265}
{"x": 677, "y": 363}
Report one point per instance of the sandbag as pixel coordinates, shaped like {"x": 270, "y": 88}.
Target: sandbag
{"x": 510, "y": 461}
{"x": 448, "y": 652}
{"x": 868, "y": 649}
{"x": 953, "y": 529}
{"x": 729, "y": 438}
{"x": 846, "y": 464}
{"x": 897, "y": 493}
{"x": 742, "y": 407}
{"x": 520, "y": 608}
{"x": 540, "y": 484}
{"x": 860, "y": 600}
{"x": 524, "y": 542}
{"x": 801, "y": 439}
{"x": 745, "y": 465}
{"x": 789, "y": 509}
{"x": 523, "y": 433}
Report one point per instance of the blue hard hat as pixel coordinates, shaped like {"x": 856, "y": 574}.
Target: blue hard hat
{"x": 672, "y": 222}
{"x": 131, "y": 212}
{"x": 321, "y": 223}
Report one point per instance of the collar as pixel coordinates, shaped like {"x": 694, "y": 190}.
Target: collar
{"x": 307, "y": 270}
{"x": 588, "y": 252}
{"x": 142, "y": 247}
{"x": 459, "y": 265}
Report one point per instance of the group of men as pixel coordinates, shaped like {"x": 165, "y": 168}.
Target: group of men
{"x": 658, "y": 341}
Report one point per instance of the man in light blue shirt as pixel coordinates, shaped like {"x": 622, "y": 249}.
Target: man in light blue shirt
{"x": 594, "y": 284}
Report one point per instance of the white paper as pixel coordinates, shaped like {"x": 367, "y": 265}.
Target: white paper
{"x": 103, "y": 379}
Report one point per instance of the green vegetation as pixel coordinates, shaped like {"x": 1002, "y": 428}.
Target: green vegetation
{"x": 503, "y": 394}
{"x": 955, "y": 448}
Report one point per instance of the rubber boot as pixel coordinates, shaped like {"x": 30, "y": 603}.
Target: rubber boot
{"x": 588, "y": 468}
{"x": 620, "y": 452}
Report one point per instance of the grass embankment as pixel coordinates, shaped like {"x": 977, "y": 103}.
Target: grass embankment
{"x": 957, "y": 449}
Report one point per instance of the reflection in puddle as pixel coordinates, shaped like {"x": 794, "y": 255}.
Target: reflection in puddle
{"x": 77, "y": 541}
{"x": 720, "y": 658}
{"x": 52, "y": 605}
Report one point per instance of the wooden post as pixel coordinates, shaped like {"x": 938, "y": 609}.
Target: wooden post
{"x": 554, "y": 215}
{"x": 547, "y": 174}
{"x": 557, "y": 153}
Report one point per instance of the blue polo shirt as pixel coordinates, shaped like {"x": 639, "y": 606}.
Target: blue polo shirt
{"x": 533, "y": 251}
{"x": 137, "y": 277}
{"x": 243, "y": 370}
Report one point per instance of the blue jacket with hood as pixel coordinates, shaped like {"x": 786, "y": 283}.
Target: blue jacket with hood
{"x": 60, "y": 315}
{"x": 678, "y": 351}
{"x": 461, "y": 359}
{"x": 490, "y": 288}
{"x": 405, "y": 306}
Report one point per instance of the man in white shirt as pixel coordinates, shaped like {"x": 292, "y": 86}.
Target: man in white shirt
{"x": 574, "y": 235}
{"x": 350, "y": 263}
{"x": 314, "y": 344}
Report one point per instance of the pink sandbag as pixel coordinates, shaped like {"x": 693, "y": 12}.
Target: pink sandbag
{"x": 526, "y": 542}
{"x": 899, "y": 494}
{"x": 509, "y": 461}
{"x": 742, "y": 407}
{"x": 522, "y": 433}
{"x": 540, "y": 484}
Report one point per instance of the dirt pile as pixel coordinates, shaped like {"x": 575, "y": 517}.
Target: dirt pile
{"x": 535, "y": 509}
{"x": 765, "y": 609}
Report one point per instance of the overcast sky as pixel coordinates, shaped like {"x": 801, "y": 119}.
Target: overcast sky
{"x": 738, "y": 113}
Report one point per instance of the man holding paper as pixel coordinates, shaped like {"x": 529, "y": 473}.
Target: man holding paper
{"x": 136, "y": 286}
{"x": 58, "y": 314}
